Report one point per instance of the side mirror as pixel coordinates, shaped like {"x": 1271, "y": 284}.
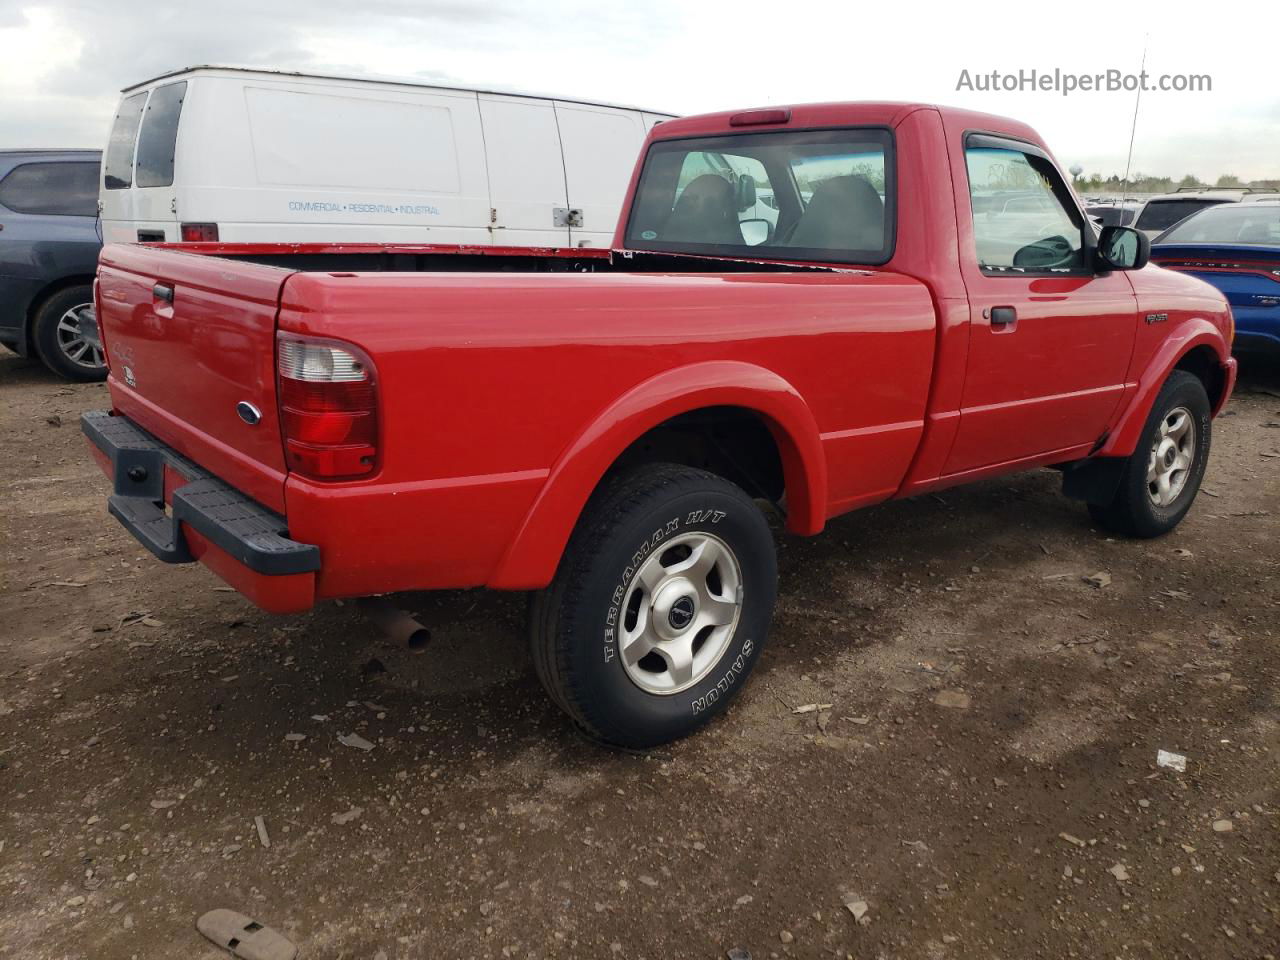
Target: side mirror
{"x": 1123, "y": 248}
{"x": 756, "y": 232}
{"x": 746, "y": 190}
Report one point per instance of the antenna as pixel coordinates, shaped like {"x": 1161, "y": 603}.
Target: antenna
{"x": 1133, "y": 130}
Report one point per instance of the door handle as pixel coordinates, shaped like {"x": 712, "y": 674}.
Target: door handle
{"x": 163, "y": 291}
{"x": 1002, "y": 316}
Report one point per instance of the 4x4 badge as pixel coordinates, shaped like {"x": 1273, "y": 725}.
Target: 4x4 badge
{"x": 1157, "y": 317}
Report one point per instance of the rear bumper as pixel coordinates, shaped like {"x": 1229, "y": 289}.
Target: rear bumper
{"x": 207, "y": 520}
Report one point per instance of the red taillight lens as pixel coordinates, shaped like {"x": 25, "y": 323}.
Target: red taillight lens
{"x": 199, "y": 233}
{"x": 328, "y": 408}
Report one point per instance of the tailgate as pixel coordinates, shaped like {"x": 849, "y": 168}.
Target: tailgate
{"x": 191, "y": 343}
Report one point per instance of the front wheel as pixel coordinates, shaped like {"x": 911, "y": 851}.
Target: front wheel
{"x": 1161, "y": 478}
{"x": 660, "y": 607}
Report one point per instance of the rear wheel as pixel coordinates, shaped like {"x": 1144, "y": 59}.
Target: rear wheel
{"x": 1162, "y": 477}
{"x": 660, "y": 607}
{"x": 58, "y": 339}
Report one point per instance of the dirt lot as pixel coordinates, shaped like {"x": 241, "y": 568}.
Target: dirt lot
{"x": 985, "y": 779}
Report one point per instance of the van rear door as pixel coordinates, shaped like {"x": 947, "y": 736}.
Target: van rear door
{"x": 526, "y": 172}
{"x": 191, "y": 345}
{"x": 116, "y": 197}
{"x": 138, "y": 202}
{"x": 600, "y": 145}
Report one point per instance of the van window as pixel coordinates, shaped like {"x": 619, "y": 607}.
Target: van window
{"x": 52, "y": 189}
{"x": 118, "y": 168}
{"x": 159, "y": 137}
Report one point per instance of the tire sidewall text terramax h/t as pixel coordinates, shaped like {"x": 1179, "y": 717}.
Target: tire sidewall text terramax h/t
{"x": 576, "y": 623}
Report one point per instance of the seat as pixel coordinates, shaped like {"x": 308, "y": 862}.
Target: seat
{"x": 705, "y": 213}
{"x": 844, "y": 213}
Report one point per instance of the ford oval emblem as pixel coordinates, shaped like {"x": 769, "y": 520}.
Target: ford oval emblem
{"x": 248, "y": 412}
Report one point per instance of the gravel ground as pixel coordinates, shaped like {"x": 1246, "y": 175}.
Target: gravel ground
{"x": 984, "y": 783}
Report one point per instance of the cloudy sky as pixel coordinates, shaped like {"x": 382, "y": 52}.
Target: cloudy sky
{"x": 62, "y": 62}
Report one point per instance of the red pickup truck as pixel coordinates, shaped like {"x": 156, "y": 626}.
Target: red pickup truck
{"x": 819, "y": 308}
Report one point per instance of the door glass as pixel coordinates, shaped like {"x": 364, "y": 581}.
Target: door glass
{"x": 55, "y": 189}
{"x": 1021, "y": 223}
{"x": 117, "y": 168}
{"x": 159, "y": 137}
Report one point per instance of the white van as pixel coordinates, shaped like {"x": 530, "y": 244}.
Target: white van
{"x": 240, "y": 155}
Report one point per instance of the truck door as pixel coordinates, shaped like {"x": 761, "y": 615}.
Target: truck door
{"x": 601, "y": 146}
{"x": 526, "y": 172}
{"x": 1050, "y": 339}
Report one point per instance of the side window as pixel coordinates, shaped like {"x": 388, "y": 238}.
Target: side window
{"x": 1022, "y": 222}
{"x": 52, "y": 189}
{"x": 159, "y": 138}
{"x": 748, "y": 213}
{"x": 117, "y": 168}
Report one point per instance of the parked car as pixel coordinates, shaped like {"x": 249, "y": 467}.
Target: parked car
{"x": 1162, "y": 212}
{"x": 335, "y": 421}
{"x": 1236, "y": 248}
{"x": 48, "y": 254}
{"x": 1112, "y": 213}
{"x": 219, "y": 153}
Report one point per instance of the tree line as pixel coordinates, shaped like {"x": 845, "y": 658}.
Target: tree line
{"x": 1144, "y": 183}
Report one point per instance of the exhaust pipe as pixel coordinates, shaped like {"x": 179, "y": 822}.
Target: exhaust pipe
{"x": 395, "y": 623}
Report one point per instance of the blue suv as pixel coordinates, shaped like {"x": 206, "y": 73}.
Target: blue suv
{"x": 49, "y": 246}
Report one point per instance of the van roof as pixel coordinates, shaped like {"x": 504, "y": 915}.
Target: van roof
{"x": 379, "y": 78}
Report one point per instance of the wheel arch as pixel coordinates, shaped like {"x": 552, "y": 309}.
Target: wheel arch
{"x": 1201, "y": 350}
{"x": 743, "y": 389}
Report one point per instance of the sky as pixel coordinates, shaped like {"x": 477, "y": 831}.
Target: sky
{"x": 63, "y": 62}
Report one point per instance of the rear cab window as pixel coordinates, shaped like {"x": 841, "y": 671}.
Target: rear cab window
{"x": 814, "y": 195}
{"x": 117, "y": 167}
{"x": 52, "y": 188}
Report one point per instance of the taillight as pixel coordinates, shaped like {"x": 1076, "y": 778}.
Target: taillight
{"x": 199, "y": 233}
{"x": 328, "y": 407}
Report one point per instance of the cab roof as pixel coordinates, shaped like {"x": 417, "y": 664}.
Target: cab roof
{"x": 869, "y": 113}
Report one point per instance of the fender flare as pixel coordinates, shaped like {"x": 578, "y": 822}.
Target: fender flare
{"x": 532, "y": 558}
{"x": 1123, "y": 438}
